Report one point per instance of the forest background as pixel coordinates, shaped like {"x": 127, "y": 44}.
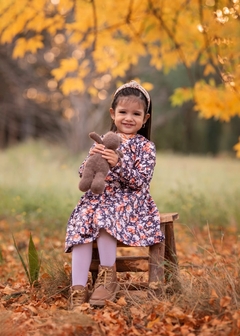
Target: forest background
{"x": 60, "y": 62}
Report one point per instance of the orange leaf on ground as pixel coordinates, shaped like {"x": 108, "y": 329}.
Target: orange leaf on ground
{"x": 151, "y": 323}
{"x": 122, "y": 302}
{"x": 225, "y": 301}
{"x": 8, "y": 290}
{"x": 177, "y": 312}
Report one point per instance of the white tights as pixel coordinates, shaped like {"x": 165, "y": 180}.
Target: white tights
{"x": 82, "y": 257}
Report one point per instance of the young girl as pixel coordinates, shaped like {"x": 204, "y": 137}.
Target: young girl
{"x": 125, "y": 211}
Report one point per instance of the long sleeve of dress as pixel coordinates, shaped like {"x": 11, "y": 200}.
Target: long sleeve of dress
{"x": 137, "y": 173}
{"x": 80, "y": 169}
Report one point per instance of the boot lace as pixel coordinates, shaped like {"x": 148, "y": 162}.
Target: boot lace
{"x": 104, "y": 277}
{"x": 78, "y": 297}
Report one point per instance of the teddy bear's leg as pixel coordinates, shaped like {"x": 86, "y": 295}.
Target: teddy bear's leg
{"x": 86, "y": 180}
{"x": 98, "y": 183}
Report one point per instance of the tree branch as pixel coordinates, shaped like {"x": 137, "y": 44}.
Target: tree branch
{"x": 94, "y": 24}
{"x": 177, "y": 46}
{"x": 206, "y": 39}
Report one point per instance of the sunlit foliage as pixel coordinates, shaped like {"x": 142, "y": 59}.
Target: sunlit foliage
{"x": 107, "y": 37}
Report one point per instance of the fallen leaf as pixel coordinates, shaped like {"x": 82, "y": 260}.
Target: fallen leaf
{"x": 122, "y": 302}
{"x": 214, "y": 293}
{"x": 151, "y": 323}
{"x": 177, "y": 312}
{"x": 225, "y": 301}
{"x": 8, "y": 290}
{"x": 32, "y": 309}
{"x": 137, "y": 312}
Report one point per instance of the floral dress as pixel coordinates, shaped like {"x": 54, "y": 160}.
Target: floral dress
{"x": 125, "y": 209}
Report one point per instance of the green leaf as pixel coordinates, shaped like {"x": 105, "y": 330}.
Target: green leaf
{"x": 22, "y": 261}
{"x": 34, "y": 261}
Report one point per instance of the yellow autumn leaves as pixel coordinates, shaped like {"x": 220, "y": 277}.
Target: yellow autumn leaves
{"x": 115, "y": 35}
{"x": 27, "y": 45}
{"x": 76, "y": 72}
{"x": 219, "y": 102}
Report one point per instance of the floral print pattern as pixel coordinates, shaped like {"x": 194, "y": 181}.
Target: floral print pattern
{"x": 125, "y": 209}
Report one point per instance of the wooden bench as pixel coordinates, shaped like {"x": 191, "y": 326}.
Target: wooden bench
{"x": 161, "y": 261}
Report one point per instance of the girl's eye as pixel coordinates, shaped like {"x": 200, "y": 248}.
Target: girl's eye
{"x": 121, "y": 111}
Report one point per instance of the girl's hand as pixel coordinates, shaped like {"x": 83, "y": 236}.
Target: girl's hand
{"x": 108, "y": 154}
{"x": 111, "y": 157}
{"x": 99, "y": 148}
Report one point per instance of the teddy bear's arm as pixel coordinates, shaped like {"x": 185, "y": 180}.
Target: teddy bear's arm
{"x": 96, "y": 137}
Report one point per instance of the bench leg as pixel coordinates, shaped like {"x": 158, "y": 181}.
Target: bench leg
{"x": 171, "y": 264}
{"x": 156, "y": 263}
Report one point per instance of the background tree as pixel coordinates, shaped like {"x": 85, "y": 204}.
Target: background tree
{"x": 96, "y": 43}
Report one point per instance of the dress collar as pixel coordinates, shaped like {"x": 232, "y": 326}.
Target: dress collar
{"x": 126, "y": 137}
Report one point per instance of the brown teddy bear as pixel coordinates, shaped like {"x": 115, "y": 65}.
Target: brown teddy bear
{"x": 96, "y": 167}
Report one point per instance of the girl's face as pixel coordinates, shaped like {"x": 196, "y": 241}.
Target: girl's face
{"x": 129, "y": 115}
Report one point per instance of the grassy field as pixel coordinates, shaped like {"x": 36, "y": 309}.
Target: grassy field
{"x": 204, "y": 190}
{"x": 39, "y": 188}
{"x": 39, "y": 182}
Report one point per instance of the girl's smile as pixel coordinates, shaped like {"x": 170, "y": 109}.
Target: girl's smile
{"x": 129, "y": 115}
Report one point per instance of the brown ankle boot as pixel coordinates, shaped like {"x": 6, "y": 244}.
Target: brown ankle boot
{"x": 79, "y": 295}
{"x": 106, "y": 286}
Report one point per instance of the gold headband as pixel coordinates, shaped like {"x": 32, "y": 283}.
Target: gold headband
{"x": 133, "y": 84}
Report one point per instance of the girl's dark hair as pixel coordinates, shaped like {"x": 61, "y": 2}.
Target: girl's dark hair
{"x": 129, "y": 91}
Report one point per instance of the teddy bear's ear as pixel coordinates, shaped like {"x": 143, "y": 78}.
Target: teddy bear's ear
{"x": 95, "y": 137}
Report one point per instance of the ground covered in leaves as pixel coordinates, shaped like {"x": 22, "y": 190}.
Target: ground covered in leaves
{"x": 208, "y": 303}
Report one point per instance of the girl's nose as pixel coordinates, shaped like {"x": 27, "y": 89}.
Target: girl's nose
{"x": 128, "y": 117}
